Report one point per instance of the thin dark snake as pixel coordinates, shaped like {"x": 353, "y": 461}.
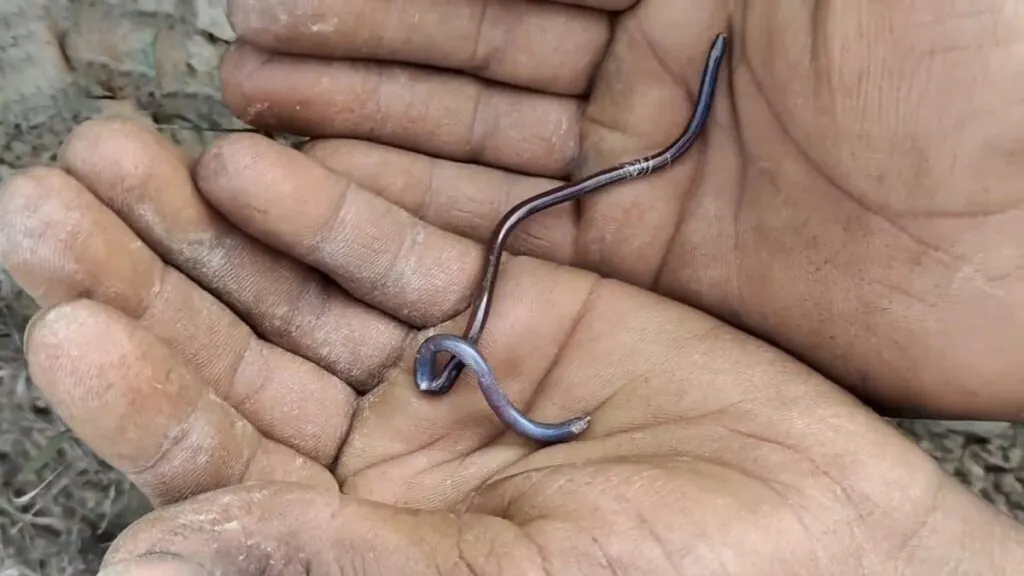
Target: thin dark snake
{"x": 464, "y": 349}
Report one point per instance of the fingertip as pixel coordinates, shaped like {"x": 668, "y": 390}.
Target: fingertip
{"x": 257, "y": 184}
{"x": 59, "y": 332}
{"x": 32, "y": 329}
{"x": 21, "y": 193}
{"x": 97, "y": 131}
{"x": 143, "y": 178}
{"x": 113, "y": 155}
{"x": 222, "y": 169}
{"x": 229, "y": 153}
{"x": 32, "y": 202}
{"x": 323, "y": 150}
{"x": 118, "y": 387}
{"x": 239, "y": 64}
{"x": 25, "y": 182}
{"x": 56, "y": 329}
{"x": 59, "y": 242}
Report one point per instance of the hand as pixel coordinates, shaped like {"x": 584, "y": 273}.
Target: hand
{"x": 853, "y": 200}
{"x": 210, "y": 341}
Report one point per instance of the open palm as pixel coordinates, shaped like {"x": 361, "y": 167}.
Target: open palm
{"x": 211, "y": 341}
{"x": 257, "y": 322}
{"x": 853, "y": 200}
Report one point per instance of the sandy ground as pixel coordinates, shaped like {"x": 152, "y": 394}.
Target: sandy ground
{"x": 64, "y": 61}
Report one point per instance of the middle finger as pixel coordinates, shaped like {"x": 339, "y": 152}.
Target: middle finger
{"x": 381, "y": 254}
{"x": 437, "y": 112}
{"x": 539, "y": 45}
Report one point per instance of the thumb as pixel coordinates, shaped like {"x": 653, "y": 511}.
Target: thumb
{"x": 284, "y": 528}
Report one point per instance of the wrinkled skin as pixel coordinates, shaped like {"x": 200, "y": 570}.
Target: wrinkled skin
{"x": 236, "y": 333}
{"x": 853, "y": 200}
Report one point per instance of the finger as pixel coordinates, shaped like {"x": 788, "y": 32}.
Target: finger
{"x": 285, "y": 529}
{"x": 376, "y": 251}
{"x": 146, "y": 181}
{"x": 145, "y": 411}
{"x": 436, "y": 112}
{"x": 464, "y": 199}
{"x": 61, "y": 244}
{"x": 539, "y": 45}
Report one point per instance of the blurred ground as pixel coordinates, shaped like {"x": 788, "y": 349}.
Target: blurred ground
{"x": 64, "y": 61}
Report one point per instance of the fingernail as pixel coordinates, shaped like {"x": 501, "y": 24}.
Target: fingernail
{"x": 33, "y": 322}
{"x": 153, "y": 566}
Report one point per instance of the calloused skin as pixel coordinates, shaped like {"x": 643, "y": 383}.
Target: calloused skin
{"x": 236, "y": 332}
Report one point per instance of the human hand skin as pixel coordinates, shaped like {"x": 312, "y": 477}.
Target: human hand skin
{"x": 854, "y": 199}
{"x": 212, "y": 339}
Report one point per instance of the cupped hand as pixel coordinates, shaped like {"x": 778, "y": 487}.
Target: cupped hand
{"x": 240, "y": 344}
{"x": 853, "y": 199}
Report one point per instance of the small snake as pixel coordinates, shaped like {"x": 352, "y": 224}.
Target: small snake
{"x": 465, "y": 349}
